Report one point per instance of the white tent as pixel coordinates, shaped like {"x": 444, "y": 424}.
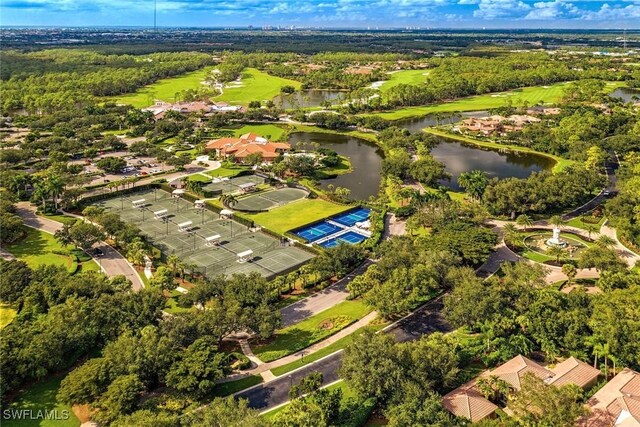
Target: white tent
{"x": 213, "y": 240}
{"x": 139, "y": 203}
{"x": 226, "y": 213}
{"x": 245, "y": 256}
{"x": 185, "y": 226}
{"x": 199, "y": 204}
{"x": 160, "y": 214}
{"x": 247, "y": 187}
{"x": 177, "y": 192}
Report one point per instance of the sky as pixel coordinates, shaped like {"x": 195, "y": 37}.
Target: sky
{"x": 587, "y": 14}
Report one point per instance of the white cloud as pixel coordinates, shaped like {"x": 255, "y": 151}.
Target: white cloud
{"x": 491, "y": 9}
{"x": 557, "y": 9}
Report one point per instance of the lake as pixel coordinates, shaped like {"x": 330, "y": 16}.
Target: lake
{"x": 307, "y": 98}
{"x": 625, "y": 93}
{"x": 365, "y": 157}
{"x": 366, "y": 160}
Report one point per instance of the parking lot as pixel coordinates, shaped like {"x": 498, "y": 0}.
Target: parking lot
{"x": 136, "y": 166}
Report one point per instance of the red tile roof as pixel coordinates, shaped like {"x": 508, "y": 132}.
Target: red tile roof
{"x": 466, "y": 401}
{"x": 617, "y": 403}
{"x": 574, "y": 371}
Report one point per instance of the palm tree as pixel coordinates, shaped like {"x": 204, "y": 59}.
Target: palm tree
{"x": 493, "y": 388}
{"x": 524, "y": 221}
{"x": 474, "y": 183}
{"x": 173, "y": 262}
{"x": 556, "y": 221}
{"x": 605, "y": 241}
{"x": 590, "y": 228}
{"x": 556, "y": 251}
{"x": 511, "y": 233}
{"x": 570, "y": 271}
{"x": 228, "y": 199}
{"x": 54, "y": 186}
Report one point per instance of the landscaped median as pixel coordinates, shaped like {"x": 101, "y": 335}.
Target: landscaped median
{"x": 310, "y": 331}
{"x": 560, "y": 163}
{"x": 330, "y": 349}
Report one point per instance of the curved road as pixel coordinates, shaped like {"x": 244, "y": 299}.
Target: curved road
{"x": 112, "y": 262}
{"x": 425, "y": 320}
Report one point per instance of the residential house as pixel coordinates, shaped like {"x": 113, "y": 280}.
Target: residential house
{"x": 617, "y": 404}
{"x": 467, "y": 400}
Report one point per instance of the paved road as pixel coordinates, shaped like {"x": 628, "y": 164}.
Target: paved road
{"x": 112, "y": 263}
{"x": 321, "y": 301}
{"x": 426, "y": 320}
{"x": 611, "y": 167}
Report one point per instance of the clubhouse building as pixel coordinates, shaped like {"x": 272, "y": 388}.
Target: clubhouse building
{"x": 247, "y": 144}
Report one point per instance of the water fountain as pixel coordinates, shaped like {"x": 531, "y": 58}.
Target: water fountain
{"x": 555, "y": 240}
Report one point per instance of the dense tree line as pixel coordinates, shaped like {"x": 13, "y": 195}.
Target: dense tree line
{"x": 623, "y": 211}
{"x": 56, "y": 79}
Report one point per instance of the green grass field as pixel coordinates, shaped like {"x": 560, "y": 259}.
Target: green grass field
{"x": 297, "y": 214}
{"x": 38, "y": 397}
{"x": 255, "y": 86}
{"x": 7, "y": 314}
{"x": 332, "y": 348}
{"x": 579, "y": 223}
{"x": 532, "y": 95}
{"x": 312, "y": 330}
{"x": 407, "y": 77}
{"x": 227, "y": 170}
{"x": 164, "y": 89}
{"x": 37, "y": 249}
{"x": 271, "y": 132}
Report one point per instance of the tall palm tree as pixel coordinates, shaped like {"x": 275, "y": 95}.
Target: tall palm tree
{"x": 228, "y": 199}
{"x": 524, "y": 221}
{"x": 590, "y": 228}
{"x": 605, "y": 241}
{"x": 556, "y": 251}
{"x": 556, "y": 220}
{"x": 474, "y": 183}
{"x": 511, "y": 233}
{"x": 173, "y": 262}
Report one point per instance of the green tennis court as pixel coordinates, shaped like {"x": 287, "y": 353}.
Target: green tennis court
{"x": 269, "y": 199}
{"x": 210, "y": 244}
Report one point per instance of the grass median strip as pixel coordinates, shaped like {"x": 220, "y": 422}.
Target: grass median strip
{"x": 230, "y": 387}
{"x": 332, "y": 348}
{"x": 310, "y": 331}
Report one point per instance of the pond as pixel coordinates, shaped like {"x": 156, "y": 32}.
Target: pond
{"x": 416, "y": 124}
{"x": 366, "y": 160}
{"x": 307, "y": 98}
{"x": 625, "y": 93}
{"x": 365, "y": 157}
{"x": 459, "y": 157}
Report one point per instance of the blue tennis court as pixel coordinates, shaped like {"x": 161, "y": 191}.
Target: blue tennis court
{"x": 349, "y": 237}
{"x": 317, "y": 231}
{"x": 350, "y": 218}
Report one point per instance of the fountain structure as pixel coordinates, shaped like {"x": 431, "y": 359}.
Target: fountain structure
{"x": 555, "y": 240}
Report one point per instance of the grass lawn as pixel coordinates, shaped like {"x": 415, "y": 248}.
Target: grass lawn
{"x": 338, "y": 345}
{"x": 579, "y": 223}
{"x": 37, "y": 249}
{"x": 561, "y": 163}
{"x": 296, "y": 214}
{"x": 164, "y": 89}
{"x": 271, "y": 132}
{"x": 198, "y": 178}
{"x": 535, "y": 255}
{"x": 407, "y": 77}
{"x": 38, "y": 397}
{"x": 532, "y": 95}
{"x": 312, "y": 330}
{"x": 255, "y": 86}
{"x": 227, "y": 170}
{"x": 64, "y": 219}
{"x": 228, "y": 388}
{"x": 171, "y": 305}
{"x": 7, "y": 314}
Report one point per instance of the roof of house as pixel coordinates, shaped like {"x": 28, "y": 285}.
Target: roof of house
{"x": 247, "y": 144}
{"x": 514, "y": 370}
{"x": 466, "y": 401}
{"x": 617, "y": 403}
{"x": 574, "y": 371}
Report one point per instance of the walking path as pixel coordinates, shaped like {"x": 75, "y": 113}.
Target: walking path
{"x": 112, "y": 263}
{"x": 263, "y": 367}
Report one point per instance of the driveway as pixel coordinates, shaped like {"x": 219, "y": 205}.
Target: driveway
{"x": 112, "y": 262}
